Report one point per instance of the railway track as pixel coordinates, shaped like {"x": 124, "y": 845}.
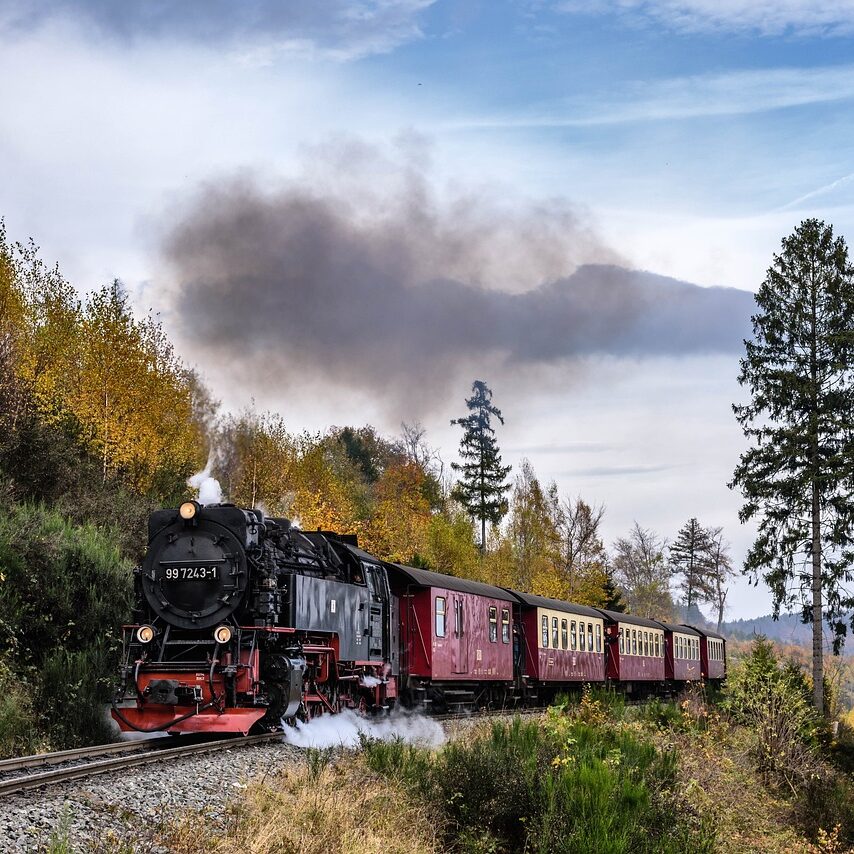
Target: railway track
{"x": 140, "y": 753}
{"x": 101, "y": 759}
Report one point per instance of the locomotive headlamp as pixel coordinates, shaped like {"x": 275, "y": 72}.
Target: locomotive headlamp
{"x": 145, "y": 634}
{"x": 188, "y": 510}
{"x": 222, "y": 634}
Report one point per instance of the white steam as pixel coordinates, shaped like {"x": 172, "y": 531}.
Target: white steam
{"x": 210, "y": 492}
{"x": 345, "y": 729}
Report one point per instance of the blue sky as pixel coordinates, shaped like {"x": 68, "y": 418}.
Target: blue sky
{"x": 681, "y": 137}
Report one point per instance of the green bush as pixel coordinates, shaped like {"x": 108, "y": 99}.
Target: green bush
{"x": 19, "y": 733}
{"x": 773, "y": 703}
{"x": 553, "y": 786}
{"x": 64, "y": 592}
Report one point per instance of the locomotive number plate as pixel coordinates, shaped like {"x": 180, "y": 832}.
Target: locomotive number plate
{"x": 190, "y": 573}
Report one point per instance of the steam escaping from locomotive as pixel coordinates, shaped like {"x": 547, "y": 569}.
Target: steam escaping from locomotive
{"x": 348, "y": 728}
{"x": 210, "y": 491}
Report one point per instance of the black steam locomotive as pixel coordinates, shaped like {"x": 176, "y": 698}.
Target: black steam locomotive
{"x": 243, "y": 620}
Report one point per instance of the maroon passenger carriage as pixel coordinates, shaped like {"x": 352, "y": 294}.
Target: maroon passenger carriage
{"x": 456, "y": 640}
{"x": 712, "y": 655}
{"x": 635, "y": 651}
{"x": 563, "y": 644}
{"x": 682, "y": 661}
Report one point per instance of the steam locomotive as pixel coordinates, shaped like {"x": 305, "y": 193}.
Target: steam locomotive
{"x": 243, "y": 621}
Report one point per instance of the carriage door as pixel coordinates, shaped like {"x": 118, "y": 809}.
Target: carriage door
{"x": 460, "y": 652}
{"x": 379, "y": 605}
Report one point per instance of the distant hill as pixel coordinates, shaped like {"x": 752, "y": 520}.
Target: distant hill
{"x": 787, "y": 629}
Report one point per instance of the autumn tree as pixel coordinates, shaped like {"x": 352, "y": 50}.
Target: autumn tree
{"x": 720, "y": 571}
{"x": 796, "y": 478}
{"x": 583, "y": 556}
{"x": 533, "y": 535}
{"x": 689, "y": 559}
{"x": 643, "y": 574}
{"x": 481, "y": 488}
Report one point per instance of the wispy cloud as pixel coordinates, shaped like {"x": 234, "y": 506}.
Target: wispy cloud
{"x": 845, "y": 180}
{"x": 732, "y": 93}
{"x": 620, "y": 471}
{"x": 258, "y": 29}
{"x": 759, "y": 17}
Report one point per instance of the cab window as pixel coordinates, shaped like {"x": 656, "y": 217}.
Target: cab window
{"x": 564, "y": 634}
{"x": 493, "y": 624}
{"x": 545, "y": 628}
{"x": 505, "y": 625}
{"x": 440, "y": 616}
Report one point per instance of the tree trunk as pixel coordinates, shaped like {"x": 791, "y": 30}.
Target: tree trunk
{"x": 817, "y": 641}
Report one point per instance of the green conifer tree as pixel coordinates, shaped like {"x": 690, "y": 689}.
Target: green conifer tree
{"x": 689, "y": 558}
{"x": 481, "y": 487}
{"x": 797, "y": 476}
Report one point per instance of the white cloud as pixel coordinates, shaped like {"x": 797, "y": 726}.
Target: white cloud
{"x": 729, "y": 94}
{"x": 761, "y": 17}
{"x": 260, "y": 30}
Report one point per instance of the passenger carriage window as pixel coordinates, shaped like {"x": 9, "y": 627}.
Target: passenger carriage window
{"x": 493, "y": 624}
{"x": 505, "y": 625}
{"x": 573, "y": 638}
{"x": 655, "y": 645}
{"x": 598, "y": 637}
{"x": 564, "y": 634}
{"x": 622, "y": 648}
{"x": 545, "y": 637}
{"x": 634, "y": 641}
{"x": 582, "y": 637}
{"x": 554, "y": 633}
{"x": 590, "y": 637}
{"x": 646, "y": 644}
{"x": 440, "y": 616}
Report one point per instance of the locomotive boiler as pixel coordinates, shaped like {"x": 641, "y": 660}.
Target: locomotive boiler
{"x": 243, "y": 620}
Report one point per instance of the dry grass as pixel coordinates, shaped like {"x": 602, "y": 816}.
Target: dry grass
{"x": 333, "y": 808}
{"x": 719, "y": 779}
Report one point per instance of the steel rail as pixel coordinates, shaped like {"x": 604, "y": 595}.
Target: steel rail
{"x": 90, "y": 769}
{"x": 37, "y": 759}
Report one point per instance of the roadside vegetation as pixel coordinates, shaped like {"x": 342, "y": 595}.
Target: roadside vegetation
{"x": 752, "y": 769}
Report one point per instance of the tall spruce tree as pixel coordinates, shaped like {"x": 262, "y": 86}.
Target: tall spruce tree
{"x": 689, "y": 558}
{"x": 797, "y": 476}
{"x": 482, "y": 485}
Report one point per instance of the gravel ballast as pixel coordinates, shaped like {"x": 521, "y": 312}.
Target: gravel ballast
{"x": 130, "y": 806}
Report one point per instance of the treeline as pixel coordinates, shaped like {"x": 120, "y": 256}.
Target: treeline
{"x": 99, "y": 423}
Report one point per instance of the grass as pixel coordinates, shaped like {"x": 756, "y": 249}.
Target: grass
{"x": 328, "y": 806}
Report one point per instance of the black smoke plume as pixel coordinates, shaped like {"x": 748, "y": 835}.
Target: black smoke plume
{"x": 391, "y": 292}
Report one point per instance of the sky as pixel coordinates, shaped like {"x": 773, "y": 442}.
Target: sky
{"x": 347, "y": 211}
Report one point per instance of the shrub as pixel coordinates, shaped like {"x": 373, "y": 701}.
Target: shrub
{"x": 561, "y": 785}
{"x": 64, "y": 591}
{"x": 19, "y": 732}
{"x": 773, "y": 702}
